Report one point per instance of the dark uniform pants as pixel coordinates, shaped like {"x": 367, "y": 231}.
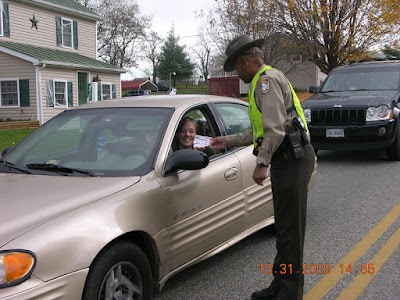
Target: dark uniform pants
{"x": 290, "y": 178}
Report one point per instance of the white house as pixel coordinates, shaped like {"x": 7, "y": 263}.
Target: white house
{"x": 48, "y": 59}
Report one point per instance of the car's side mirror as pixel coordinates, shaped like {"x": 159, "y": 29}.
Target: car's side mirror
{"x": 7, "y": 150}
{"x": 186, "y": 159}
{"x": 313, "y": 89}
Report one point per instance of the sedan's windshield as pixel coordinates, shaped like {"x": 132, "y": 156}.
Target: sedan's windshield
{"x": 93, "y": 142}
{"x": 362, "y": 80}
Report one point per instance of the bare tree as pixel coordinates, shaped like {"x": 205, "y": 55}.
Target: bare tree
{"x": 87, "y": 3}
{"x": 230, "y": 18}
{"x": 151, "y": 51}
{"x": 120, "y": 32}
{"x": 203, "y": 55}
{"x": 257, "y": 18}
{"x": 332, "y": 32}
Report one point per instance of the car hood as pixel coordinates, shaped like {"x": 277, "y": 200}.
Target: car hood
{"x": 359, "y": 99}
{"x": 28, "y": 201}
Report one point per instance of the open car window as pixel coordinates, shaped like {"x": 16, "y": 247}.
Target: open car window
{"x": 205, "y": 128}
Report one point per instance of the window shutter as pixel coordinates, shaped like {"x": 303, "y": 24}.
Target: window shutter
{"x": 98, "y": 91}
{"x": 75, "y": 29}
{"x": 50, "y": 93}
{"x": 113, "y": 91}
{"x": 89, "y": 95}
{"x": 58, "y": 31}
{"x": 70, "y": 99}
{"x": 24, "y": 92}
{"x": 6, "y": 20}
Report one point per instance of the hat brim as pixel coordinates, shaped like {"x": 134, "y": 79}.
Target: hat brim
{"x": 229, "y": 64}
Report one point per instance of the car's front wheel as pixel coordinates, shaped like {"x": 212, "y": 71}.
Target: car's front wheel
{"x": 393, "y": 152}
{"x": 120, "y": 272}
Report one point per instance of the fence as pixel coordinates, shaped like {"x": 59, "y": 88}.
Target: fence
{"x": 19, "y": 125}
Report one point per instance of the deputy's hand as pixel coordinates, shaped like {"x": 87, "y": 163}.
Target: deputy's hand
{"x": 218, "y": 142}
{"x": 260, "y": 174}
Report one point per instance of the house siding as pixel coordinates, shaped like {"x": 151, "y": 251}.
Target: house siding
{"x": 70, "y": 75}
{"x": 13, "y": 67}
{"x": 56, "y": 74}
{"x": 303, "y": 75}
{"x": 21, "y": 31}
{"x": 110, "y": 78}
{"x": 45, "y": 35}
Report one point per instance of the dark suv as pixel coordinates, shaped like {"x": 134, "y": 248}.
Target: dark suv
{"x": 357, "y": 107}
{"x": 162, "y": 87}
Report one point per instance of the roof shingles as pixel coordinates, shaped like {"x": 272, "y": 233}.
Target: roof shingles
{"x": 71, "y": 5}
{"x": 59, "y": 57}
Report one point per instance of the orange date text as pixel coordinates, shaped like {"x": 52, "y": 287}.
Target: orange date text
{"x": 287, "y": 269}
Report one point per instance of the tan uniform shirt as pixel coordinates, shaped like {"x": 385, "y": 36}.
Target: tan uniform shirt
{"x": 272, "y": 101}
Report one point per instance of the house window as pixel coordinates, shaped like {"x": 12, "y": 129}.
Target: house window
{"x": 60, "y": 93}
{"x": 9, "y": 93}
{"x": 105, "y": 91}
{"x": 67, "y": 33}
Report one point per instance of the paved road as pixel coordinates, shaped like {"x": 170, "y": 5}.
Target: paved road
{"x": 353, "y": 194}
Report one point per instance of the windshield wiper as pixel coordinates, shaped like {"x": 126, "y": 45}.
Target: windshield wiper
{"x": 12, "y": 166}
{"x": 329, "y": 91}
{"x": 59, "y": 169}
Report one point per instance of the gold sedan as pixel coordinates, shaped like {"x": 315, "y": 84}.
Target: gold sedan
{"x": 99, "y": 203}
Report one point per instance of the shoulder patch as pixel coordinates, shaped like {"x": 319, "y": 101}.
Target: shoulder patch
{"x": 264, "y": 82}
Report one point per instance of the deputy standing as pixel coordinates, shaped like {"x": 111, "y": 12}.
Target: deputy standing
{"x": 273, "y": 105}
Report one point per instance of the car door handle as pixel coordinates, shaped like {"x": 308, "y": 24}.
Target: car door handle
{"x": 230, "y": 174}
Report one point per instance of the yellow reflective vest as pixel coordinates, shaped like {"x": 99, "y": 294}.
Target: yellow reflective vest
{"x": 255, "y": 113}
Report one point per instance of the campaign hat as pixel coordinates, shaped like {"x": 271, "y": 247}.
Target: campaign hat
{"x": 237, "y": 47}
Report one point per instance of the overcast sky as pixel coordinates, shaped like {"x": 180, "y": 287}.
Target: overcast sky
{"x": 181, "y": 13}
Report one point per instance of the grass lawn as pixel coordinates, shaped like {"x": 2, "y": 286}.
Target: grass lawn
{"x": 12, "y": 137}
{"x": 182, "y": 88}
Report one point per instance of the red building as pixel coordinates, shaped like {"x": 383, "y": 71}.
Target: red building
{"x": 224, "y": 86}
{"x": 137, "y": 86}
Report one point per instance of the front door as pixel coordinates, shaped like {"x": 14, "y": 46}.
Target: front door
{"x": 82, "y": 87}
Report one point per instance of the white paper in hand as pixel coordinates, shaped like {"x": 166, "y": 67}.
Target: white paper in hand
{"x": 201, "y": 141}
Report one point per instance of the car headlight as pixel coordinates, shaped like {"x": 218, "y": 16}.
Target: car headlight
{"x": 378, "y": 113}
{"x": 307, "y": 114}
{"x": 16, "y": 266}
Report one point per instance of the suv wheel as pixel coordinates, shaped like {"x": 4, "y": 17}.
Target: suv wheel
{"x": 120, "y": 272}
{"x": 393, "y": 152}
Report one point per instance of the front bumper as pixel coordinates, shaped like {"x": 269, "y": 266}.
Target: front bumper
{"x": 67, "y": 287}
{"x": 355, "y": 137}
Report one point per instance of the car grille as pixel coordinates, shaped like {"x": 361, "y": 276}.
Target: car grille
{"x": 338, "y": 117}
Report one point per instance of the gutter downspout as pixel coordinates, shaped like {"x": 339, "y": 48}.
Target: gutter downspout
{"x": 39, "y": 107}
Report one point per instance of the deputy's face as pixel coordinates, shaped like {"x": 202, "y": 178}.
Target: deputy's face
{"x": 241, "y": 67}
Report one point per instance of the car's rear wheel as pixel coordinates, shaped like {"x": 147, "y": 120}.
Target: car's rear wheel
{"x": 393, "y": 152}
{"x": 120, "y": 272}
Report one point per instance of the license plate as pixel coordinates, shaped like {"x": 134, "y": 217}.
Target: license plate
{"x": 335, "y": 133}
